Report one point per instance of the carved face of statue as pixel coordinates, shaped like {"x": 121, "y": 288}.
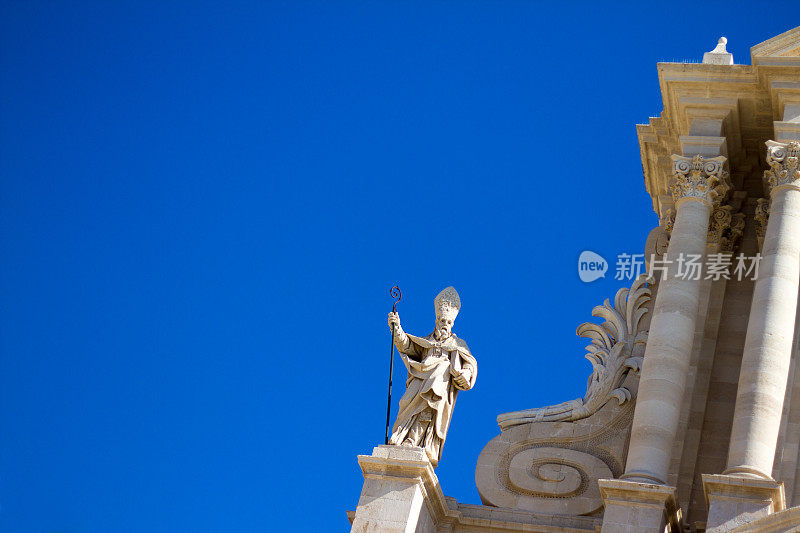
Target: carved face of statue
{"x": 444, "y": 325}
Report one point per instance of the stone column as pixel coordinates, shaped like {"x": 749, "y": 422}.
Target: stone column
{"x": 770, "y": 329}
{"x": 767, "y": 353}
{"x": 641, "y": 497}
{"x": 699, "y": 184}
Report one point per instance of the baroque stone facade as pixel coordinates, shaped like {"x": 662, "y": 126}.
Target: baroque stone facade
{"x": 691, "y": 418}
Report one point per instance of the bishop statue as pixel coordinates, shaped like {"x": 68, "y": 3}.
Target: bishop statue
{"x": 439, "y": 365}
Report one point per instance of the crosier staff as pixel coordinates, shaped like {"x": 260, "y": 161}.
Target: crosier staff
{"x": 397, "y": 295}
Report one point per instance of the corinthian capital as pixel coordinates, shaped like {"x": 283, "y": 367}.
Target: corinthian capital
{"x": 784, "y": 169}
{"x": 698, "y": 178}
{"x": 726, "y": 228}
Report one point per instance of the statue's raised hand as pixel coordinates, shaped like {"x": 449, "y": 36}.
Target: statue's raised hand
{"x": 394, "y": 320}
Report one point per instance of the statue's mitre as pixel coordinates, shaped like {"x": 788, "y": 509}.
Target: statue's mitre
{"x": 447, "y": 303}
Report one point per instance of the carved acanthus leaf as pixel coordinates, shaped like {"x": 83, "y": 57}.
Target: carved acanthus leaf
{"x": 784, "y": 162}
{"x": 613, "y": 355}
{"x": 696, "y": 177}
{"x": 726, "y": 227}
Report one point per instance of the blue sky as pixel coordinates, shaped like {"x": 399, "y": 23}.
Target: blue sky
{"x": 203, "y": 207}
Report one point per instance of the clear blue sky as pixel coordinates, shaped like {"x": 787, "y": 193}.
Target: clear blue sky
{"x": 203, "y": 206}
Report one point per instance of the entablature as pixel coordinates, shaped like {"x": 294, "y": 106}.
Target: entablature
{"x": 719, "y": 109}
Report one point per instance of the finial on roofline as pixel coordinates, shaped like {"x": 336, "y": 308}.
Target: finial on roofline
{"x": 719, "y": 55}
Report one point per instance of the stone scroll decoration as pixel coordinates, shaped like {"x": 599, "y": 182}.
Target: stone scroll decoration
{"x": 549, "y": 459}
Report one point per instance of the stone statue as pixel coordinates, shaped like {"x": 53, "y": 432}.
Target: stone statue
{"x": 439, "y": 366}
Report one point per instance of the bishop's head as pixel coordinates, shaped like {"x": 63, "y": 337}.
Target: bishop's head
{"x": 447, "y": 305}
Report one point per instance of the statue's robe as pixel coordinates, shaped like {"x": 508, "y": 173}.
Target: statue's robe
{"x": 430, "y": 386}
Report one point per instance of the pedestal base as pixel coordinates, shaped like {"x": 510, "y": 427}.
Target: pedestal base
{"x": 734, "y": 500}
{"x": 635, "y": 507}
{"x": 397, "y": 482}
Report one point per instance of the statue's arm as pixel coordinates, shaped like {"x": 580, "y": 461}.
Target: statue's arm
{"x": 401, "y": 339}
{"x": 403, "y": 342}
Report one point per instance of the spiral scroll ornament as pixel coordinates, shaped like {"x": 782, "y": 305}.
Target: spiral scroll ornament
{"x": 553, "y": 467}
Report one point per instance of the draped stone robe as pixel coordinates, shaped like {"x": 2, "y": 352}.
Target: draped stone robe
{"x": 431, "y": 389}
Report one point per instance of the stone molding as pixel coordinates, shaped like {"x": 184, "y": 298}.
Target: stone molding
{"x": 784, "y": 162}
{"x": 636, "y": 492}
{"x": 699, "y": 178}
{"x": 785, "y": 521}
{"x": 653, "y": 504}
{"x": 734, "y": 501}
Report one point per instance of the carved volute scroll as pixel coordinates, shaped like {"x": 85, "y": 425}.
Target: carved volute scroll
{"x": 549, "y": 459}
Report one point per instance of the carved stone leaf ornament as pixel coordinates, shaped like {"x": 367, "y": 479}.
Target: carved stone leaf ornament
{"x": 726, "y": 227}
{"x": 611, "y": 353}
{"x": 784, "y": 162}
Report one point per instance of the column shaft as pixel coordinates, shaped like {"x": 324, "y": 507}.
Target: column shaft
{"x": 768, "y": 344}
{"x": 669, "y": 347}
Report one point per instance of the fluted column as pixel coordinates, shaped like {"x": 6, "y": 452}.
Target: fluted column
{"x": 699, "y": 184}
{"x": 770, "y": 329}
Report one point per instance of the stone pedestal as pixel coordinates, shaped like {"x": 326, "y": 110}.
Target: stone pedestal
{"x": 634, "y": 507}
{"x": 398, "y": 482}
{"x": 734, "y": 501}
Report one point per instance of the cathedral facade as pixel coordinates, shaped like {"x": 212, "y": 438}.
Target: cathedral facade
{"x": 691, "y": 418}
